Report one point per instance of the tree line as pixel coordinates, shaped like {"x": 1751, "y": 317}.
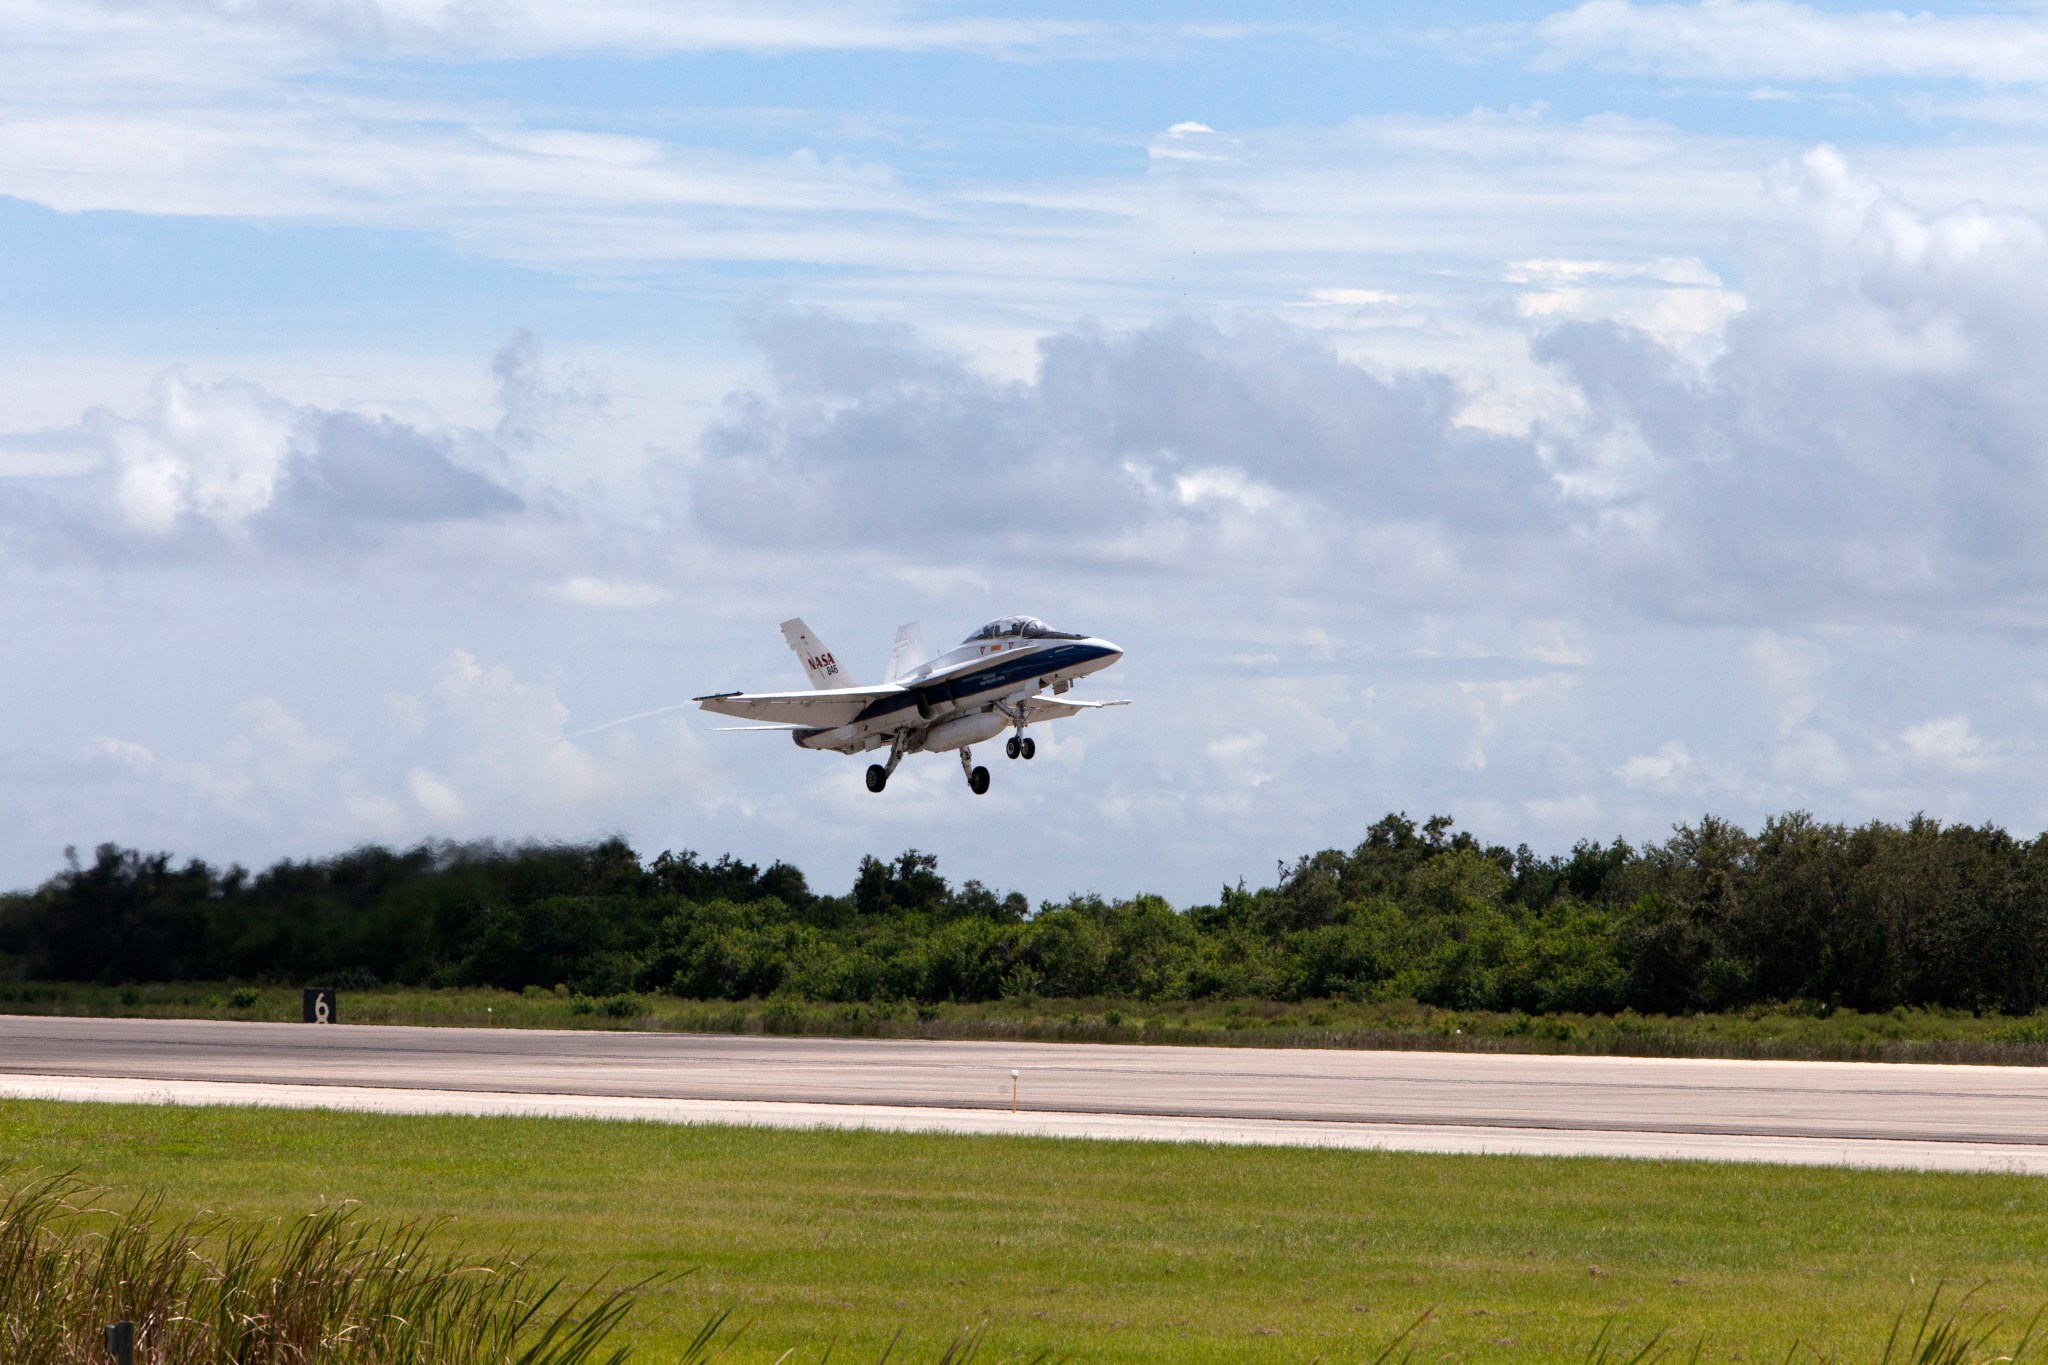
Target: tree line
{"x": 1712, "y": 918}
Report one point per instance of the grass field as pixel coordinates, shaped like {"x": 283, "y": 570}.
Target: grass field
{"x": 1781, "y": 1032}
{"x": 1114, "y": 1252}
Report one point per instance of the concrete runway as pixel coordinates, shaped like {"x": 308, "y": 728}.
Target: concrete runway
{"x": 1825, "y": 1113}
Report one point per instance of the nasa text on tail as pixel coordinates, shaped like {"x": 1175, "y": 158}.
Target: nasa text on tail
{"x": 1012, "y": 673}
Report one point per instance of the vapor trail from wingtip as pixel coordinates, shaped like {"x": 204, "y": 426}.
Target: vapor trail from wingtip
{"x": 627, "y": 720}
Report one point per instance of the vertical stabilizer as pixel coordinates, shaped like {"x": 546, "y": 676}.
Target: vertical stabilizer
{"x": 908, "y": 651}
{"x": 822, "y": 668}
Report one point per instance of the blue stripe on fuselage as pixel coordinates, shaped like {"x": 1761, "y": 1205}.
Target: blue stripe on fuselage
{"x": 1001, "y": 675}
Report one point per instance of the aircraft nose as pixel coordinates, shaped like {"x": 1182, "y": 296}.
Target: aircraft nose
{"x": 1115, "y": 652}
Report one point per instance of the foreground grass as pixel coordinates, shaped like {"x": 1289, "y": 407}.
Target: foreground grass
{"x": 1113, "y": 1252}
{"x": 330, "y": 1286}
{"x": 1780, "y": 1032}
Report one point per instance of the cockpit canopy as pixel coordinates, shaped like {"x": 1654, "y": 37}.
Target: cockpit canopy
{"x": 1019, "y": 627}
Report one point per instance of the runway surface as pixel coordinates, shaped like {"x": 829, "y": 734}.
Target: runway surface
{"x": 1932, "y": 1117}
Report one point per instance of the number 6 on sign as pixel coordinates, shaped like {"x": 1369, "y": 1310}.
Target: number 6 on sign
{"x": 319, "y": 1005}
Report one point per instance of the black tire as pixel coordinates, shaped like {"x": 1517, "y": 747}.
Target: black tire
{"x": 1029, "y": 748}
{"x": 878, "y": 777}
{"x": 1011, "y": 747}
{"x": 977, "y": 781}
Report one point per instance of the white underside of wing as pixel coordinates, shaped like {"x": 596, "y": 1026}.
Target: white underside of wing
{"x": 1058, "y": 708}
{"x": 822, "y": 709}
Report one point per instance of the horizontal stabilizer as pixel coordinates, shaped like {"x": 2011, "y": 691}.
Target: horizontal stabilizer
{"x": 820, "y": 710}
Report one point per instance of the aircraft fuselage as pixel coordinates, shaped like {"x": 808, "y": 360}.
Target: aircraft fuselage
{"x": 971, "y": 683}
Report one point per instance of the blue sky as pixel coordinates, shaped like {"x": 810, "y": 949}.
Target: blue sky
{"x": 1572, "y": 418}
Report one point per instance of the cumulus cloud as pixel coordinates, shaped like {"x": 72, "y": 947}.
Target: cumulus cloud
{"x": 204, "y": 463}
{"x": 1865, "y": 444}
{"x": 1949, "y": 742}
{"x": 347, "y": 468}
{"x": 1860, "y": 444}
{"x": 213, "y": 452}
{"x": 1164, "y": 447}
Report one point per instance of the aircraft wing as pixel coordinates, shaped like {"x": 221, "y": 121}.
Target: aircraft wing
{"x": 1058, "y": 708}
{"x": 822, "y": 709}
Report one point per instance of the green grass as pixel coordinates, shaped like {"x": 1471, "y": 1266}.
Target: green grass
{"x": 1782, "y": 1032}
{"x": 332, "y": 1285}
{"x": 1113, "y": 1252}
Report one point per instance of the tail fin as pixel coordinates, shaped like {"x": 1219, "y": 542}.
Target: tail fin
{"x": 824, "y": 670}
{"x": 908, "y": 651}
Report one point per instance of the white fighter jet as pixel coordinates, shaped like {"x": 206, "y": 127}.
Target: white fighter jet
{"x": 1013, "y": 672}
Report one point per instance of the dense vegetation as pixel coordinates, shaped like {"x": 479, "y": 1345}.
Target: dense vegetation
{"x": 1712, "y": 918}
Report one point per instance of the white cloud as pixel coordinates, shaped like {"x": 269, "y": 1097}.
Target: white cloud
{"x": 1950, "y": 742}
{"x": 1660, "y": 768}
{"x": 450, "y": 28}
{"x": 1223, "y": 485}
{"x": 1183, "y": 448}
{"x": 1865, "y": 440}
{"x": 1553, "y": 648}
{"x": 227, "y": 460}
{"x": 1812, "y": 762}
{"x": 210, "y": 451}
{"x": 433, "y": 796}
{"x": 1236, "y": 749}
{"x": 610, "y": 593}
{"x": 1751, "y": 40}
{"x": 1788, "y": 673}
{"x": 279, "y": 749}
{"x": 1240, "y": 220}
{"x": 1193, "y": 142}
{"x": 126, "y": 753}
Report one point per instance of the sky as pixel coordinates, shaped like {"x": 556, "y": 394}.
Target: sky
{"x": 1574, "y": 419}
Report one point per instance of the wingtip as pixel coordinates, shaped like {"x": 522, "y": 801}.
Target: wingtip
{"x": 718, "y": 696}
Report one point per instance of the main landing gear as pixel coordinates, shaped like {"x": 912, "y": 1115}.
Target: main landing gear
{"x": 977, "y": 778}
{"x": 878, "y": 776}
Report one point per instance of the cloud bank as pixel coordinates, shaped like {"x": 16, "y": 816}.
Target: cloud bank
{"x": 1862, "y": 446}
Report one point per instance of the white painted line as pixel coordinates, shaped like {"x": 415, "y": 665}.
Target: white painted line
{"x": 1443, "y": 1138}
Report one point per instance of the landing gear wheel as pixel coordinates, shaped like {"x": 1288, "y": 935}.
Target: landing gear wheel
{"x": 878, "y": 777}
{"x": 977, "y": 781}
{"x": 1012, "y": 747}
{"x": 1028, "y": 748}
